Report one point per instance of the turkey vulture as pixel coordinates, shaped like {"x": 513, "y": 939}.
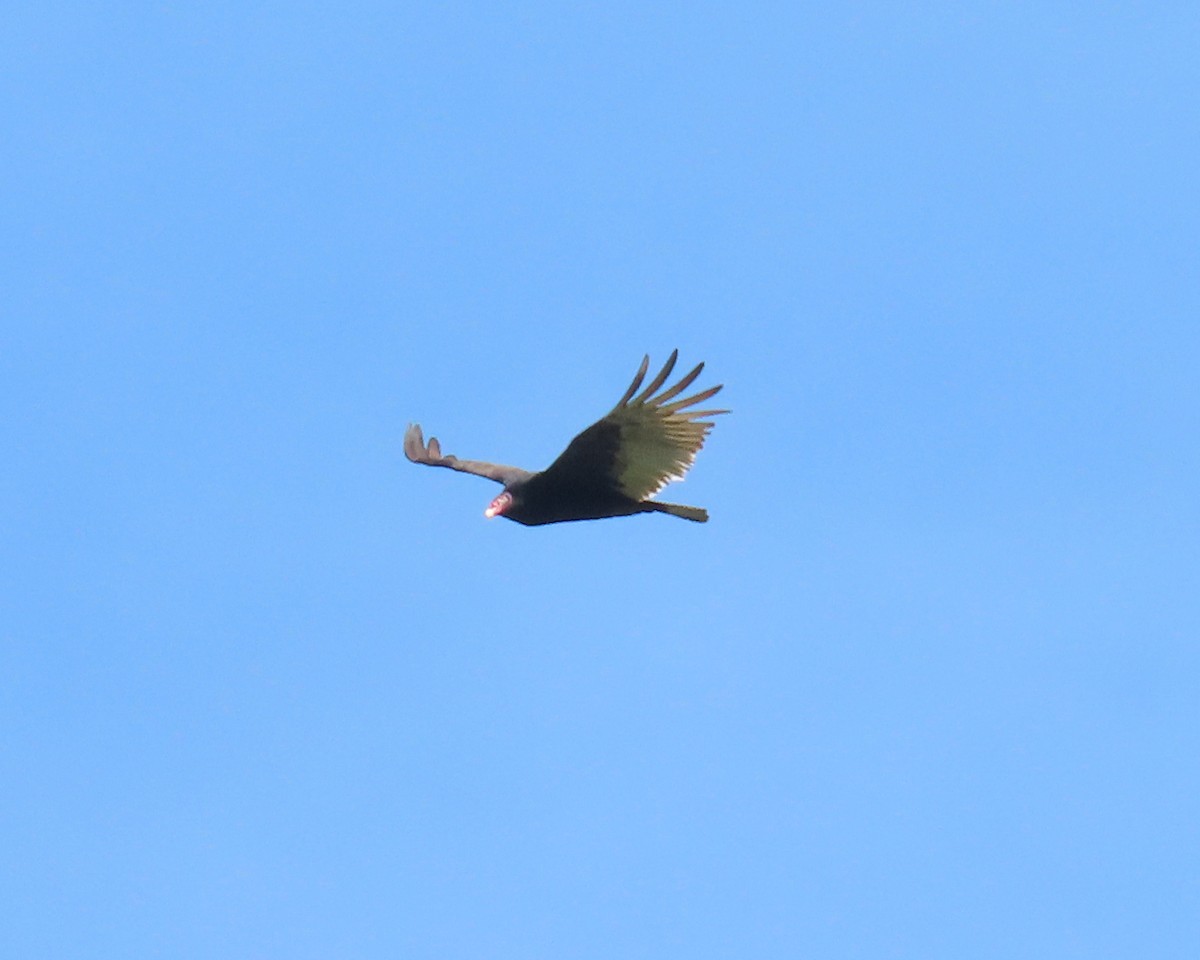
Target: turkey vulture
{"x": 609, "y": 470}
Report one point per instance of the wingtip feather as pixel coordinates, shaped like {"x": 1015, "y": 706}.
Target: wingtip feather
{"x": 660, "y": 379}
{"x": 637, "y": 381}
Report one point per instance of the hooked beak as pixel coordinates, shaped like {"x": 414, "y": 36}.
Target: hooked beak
{"x": 498, "y": 506}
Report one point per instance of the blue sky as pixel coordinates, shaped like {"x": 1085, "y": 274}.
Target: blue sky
{"x": 925, "y": 687}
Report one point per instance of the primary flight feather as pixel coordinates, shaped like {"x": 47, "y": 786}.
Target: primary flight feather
{"x": 611, "y": 469}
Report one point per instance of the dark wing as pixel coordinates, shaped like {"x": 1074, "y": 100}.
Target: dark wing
{"x": 418, "y": 451}
{"x": 644, "y": 443}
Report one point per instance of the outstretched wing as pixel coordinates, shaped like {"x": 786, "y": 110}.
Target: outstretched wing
{"x": 430, "y": 454}
{"x": 645, "y": 442}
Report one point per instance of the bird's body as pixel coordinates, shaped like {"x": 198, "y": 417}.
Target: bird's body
{"x": 546, "y": 501}
{"x": 611, "y": 469}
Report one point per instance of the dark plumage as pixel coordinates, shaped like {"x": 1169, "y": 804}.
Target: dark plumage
{"x": 611, "y": 469}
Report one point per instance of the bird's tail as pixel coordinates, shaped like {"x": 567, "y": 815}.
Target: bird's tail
{"x": 698, "y": 514}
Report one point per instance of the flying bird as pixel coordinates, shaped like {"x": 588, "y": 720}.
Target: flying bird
{"x": 611, "y": 469}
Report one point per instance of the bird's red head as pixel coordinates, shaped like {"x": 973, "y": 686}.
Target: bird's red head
{"x": 499, "y": 505}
